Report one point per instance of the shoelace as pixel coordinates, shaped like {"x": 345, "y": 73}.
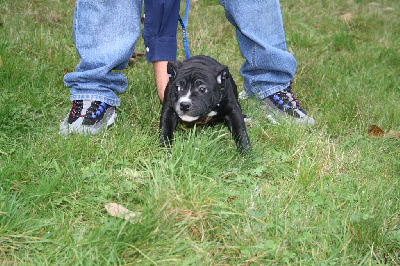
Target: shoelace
{"x": 96, "y": 109}
{"x": 286, "y": 98}
{"x": 76, "y": 109}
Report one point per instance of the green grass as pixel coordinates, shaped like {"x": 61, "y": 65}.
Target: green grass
{"x": 329, "y": 195}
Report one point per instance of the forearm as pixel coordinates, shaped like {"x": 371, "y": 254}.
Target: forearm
{"x": 162, "y": 78}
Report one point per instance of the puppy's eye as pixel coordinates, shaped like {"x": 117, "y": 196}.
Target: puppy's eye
{"x": 178, "y": 88}
{"x": 202, "y": 89}
{"x": 198, "y": 82}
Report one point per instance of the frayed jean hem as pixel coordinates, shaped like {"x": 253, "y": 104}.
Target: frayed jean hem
{"x": 94, "y": 97}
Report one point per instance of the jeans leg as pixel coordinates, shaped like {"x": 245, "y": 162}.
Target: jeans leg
{"x": 268, "y": 68}
{"x": 105, "y": 33}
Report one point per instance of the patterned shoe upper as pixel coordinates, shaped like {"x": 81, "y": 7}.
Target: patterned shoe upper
{"x": 95, "y": 113}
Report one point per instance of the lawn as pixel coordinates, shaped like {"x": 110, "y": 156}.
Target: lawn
{"x": 326, "y": 195}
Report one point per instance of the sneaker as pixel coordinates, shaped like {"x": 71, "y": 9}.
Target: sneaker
{"x": 88, "y": 117}
{"x": 285, "y": 104}
{"x": 98, "y": 116}
{"x": 73, "y": 122}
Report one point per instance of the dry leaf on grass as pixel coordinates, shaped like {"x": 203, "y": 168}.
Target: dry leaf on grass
{"x": 230, "y": 199}
{"x": 376, "y": 132}
{"x": 347, "y": 17}
{"x": 65, "y": 71}
{"x": 119, "y": 211}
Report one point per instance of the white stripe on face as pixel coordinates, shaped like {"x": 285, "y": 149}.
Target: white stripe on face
{"x": 185, "y": 98}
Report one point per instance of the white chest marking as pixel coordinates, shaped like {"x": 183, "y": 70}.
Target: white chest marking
{"x": 212, "y": 113}
{"x": 188, "y": 118}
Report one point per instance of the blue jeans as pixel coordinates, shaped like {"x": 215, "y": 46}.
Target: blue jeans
{"x": 105, "y": 33}
{"x": 268, "y": 68}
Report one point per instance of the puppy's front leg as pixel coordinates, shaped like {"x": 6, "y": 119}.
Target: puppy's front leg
{"x": 237, "y": 127}
{"x": 168, "y": 122}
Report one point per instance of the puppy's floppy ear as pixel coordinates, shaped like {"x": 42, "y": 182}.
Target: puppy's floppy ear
{"x": 172, "y": 68}
{"x": 222, "y": 73}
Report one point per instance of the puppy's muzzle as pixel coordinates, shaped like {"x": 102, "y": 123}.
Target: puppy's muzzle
{"x": 185, "y": 106}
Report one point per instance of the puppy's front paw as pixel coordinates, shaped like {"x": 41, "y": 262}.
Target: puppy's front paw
{"x": 244, "y": 149}
{"x": 165, "y": 141}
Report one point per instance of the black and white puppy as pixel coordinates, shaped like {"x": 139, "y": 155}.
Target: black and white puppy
{"x": 202, "y": 90}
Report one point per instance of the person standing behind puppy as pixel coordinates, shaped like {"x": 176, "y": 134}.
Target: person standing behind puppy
{"x": 269, "y": 68}
{"x": 105, "y": 33}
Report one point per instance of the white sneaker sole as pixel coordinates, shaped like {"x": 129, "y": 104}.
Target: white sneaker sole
{"x": 78, "y": 128}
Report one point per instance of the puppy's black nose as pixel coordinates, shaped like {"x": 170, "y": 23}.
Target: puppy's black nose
{"x": 185, "y": 106}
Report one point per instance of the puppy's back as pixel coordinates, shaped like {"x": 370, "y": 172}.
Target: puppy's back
{"x": 203, "y": 59}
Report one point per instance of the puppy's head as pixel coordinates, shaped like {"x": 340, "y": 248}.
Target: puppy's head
{"x": 197, "y": 88}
